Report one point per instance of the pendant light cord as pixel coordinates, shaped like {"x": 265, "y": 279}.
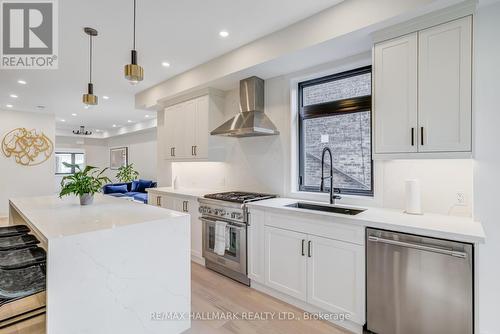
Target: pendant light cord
{"x": 135, "y": 7}
{"x": 90, "y": 40}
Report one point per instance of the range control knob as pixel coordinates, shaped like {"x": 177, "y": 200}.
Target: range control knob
{"x": 236, "y": 215}
{"x": 204, "y": 209}
{"x": 220, "y": 212}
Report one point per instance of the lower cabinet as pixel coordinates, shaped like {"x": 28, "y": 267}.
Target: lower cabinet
{"x": 187, "y": 205}
{"x": 321, "y": 271}
{"x": 286, "y": 262}
{"x": 335, "y": 276}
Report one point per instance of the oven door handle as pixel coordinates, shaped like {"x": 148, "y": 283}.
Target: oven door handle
{"x": 232, "y": 224}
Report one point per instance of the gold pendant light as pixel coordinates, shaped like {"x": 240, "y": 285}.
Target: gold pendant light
{"x": 90, "y": 99}
{"x": 133, "y": 72}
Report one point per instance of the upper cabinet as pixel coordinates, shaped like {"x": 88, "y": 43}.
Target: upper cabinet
{"x": 186, "y": 130}
{"x": 422, "y": 93}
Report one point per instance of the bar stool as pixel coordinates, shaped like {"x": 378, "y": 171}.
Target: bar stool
{"x": 20, "y": 283}
{"x": 18, "y": 242}
{"x": 13, "y": 230}
{"x": 21, "y": 258}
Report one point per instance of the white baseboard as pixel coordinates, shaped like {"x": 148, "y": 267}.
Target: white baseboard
{"x": 198, "y": 259}
{"x": 346, "y": 324}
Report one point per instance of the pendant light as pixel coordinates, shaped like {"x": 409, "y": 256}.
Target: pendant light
{"x": 133, "y": 72}
{"x": 90, "y": 99}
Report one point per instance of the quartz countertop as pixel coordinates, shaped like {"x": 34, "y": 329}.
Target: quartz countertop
{"x": 434, "y": 225}
{"x": 55, "y": 217}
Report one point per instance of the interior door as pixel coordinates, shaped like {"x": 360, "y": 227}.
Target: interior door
{"x": 335, "y": 276}
{"x": 395, "y": 95}
{"x": 286, "y": 261}
{"x": 445, "y": 67}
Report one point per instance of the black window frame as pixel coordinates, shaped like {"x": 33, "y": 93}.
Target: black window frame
{"x": 338, "y": 107}
{"x": 73, "y": 154}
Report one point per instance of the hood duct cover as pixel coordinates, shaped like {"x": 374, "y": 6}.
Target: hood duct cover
{"x": 251, "y": 121}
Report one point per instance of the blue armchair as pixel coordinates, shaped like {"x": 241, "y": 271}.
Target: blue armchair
{"x": 134, "y": 189}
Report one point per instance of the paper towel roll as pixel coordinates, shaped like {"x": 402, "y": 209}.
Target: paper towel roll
{"x": 413, "y": 197}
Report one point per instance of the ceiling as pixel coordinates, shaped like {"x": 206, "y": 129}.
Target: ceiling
{"x": 183, "y": 33}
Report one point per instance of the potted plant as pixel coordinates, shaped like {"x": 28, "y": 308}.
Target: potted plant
{"x": 127, "y": 173}
{"x": 83, "y": 183}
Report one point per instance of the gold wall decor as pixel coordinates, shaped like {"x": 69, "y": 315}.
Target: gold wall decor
{"x": 28, "y": 147}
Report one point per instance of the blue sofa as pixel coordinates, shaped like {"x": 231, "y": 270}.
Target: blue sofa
{"x": 135, "y": 189}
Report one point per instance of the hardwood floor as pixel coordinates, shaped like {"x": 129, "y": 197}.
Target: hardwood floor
{"x": 212, "y": 292}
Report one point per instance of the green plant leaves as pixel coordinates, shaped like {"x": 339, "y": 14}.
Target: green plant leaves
{"x": 88, "y": 181}
{"x": 127, "y": 173}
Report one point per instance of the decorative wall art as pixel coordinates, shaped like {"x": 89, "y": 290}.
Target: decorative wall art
{"x": 28, "y": 147}
{"x": 118, "y": 157}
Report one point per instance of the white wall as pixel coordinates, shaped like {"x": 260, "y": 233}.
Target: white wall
{"x": 487, "y": 161}
{"x": 141, "y": 151}
{"x": 17, "y": 180}
{"x": 263, "y": 163}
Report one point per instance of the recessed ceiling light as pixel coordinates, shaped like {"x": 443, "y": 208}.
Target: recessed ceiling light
{"x": 63, "y": 120}
{"x": 114, "y": 125}
{"x": 223, "y": 33}
{"x": 165, "y": 64}
{"x": 21, "y": 82}
{"x": 73, "y": 115}
{"x": 105, "y": 97}
{"x": 9, "y": 105}
{"x": 14, "y": 96}
{"x": 129, "y": 121}
{"x": 147, "y": 116}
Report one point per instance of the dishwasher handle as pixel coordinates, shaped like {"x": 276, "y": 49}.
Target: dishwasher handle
{"x": 461, "y": 255}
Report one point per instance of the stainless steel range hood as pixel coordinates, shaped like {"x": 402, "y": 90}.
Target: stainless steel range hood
{"x": 251, "y": 121}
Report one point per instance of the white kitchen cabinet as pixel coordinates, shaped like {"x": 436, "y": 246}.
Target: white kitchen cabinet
{"x": 422, "y": 93}
{"x": 187, "y": 126}
{"x": 309, "y": 261}
{"x": 286, "y": 261}
{"x": 445, "y": 85}
{"x": 256, "y": 246}
{"x": 335, "y": 276}
{"x": 395, "y": 101}
{"x": 187, "y": 205}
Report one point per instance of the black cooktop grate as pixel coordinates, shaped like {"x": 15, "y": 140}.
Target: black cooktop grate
{"x": 239, "y": 196}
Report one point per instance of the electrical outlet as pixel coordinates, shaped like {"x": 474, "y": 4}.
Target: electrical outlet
{"x": 461, "y": 200}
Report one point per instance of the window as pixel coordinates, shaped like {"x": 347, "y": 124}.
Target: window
{"x": 335, "y": 112}
{"x": 70, "y": 158}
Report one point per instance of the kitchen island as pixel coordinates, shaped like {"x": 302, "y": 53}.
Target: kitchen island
{"x": 113, "y": 266}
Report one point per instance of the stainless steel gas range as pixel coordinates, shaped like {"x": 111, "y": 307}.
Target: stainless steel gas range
{"x": 227, "y": 211}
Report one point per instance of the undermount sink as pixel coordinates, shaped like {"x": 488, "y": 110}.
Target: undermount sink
{"x": 325, "y": 208}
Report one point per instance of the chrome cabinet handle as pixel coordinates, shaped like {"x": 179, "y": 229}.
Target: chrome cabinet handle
{"x": 195, "y": 148}
{"x": 309, "y": 252}
{"x": 412, "y": 136}
{"x": 462, "y": 255}
{"x": 422, "y": 135}
{"x": 192, "y": 150}
{"x": 303, "y": 247}
{"x": 158, "y": 200}
{"x": 173, "y": 150}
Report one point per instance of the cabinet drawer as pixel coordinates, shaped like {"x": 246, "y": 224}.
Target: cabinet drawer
{"x": 328, "y": 227}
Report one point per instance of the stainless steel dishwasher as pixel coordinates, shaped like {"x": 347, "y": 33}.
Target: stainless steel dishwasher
{"x": 418, "y": 285}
